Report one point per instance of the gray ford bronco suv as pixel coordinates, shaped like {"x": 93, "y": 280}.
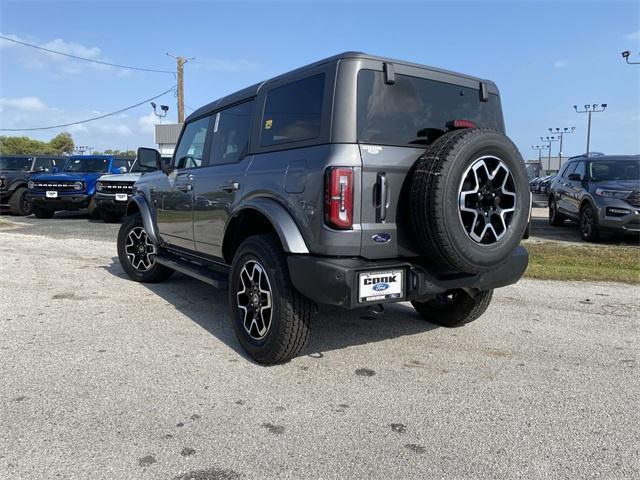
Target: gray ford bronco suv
{"x": 354, "y": 181}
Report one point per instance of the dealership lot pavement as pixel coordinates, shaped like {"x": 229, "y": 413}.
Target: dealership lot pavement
{"x": 104, "y": 378}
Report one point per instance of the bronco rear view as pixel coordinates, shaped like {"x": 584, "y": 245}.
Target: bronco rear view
{"x": 354, "y": 181}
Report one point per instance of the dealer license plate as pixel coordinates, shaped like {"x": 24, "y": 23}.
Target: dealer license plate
{"x": 121, "y": 197}
{"x": 51, "y": 194}
{"x": 376, "y": 286}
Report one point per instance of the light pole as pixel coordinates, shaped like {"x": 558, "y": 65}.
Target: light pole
{"x": 539, "y": 148}
{"x": 561, "y": 132}
{"x": 550, "y": 140}
{"x": 626, "y": 54}
{"x": 595, "y": 108}
{"x": 163, "y": 108}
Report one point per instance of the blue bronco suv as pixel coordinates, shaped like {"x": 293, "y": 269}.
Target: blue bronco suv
{"x": 73, "y": 187}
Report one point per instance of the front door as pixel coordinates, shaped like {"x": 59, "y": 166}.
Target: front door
{"x": 175, "y": 195}
{"x": 575, "y": 190}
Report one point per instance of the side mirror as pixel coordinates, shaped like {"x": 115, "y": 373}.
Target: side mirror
{"x": 576, "y": 177}
{"x": 122, "y": 170}
{"x": 149, "y": 157}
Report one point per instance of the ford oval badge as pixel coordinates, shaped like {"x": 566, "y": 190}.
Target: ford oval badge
{"x": 378, "y": 287}
{"x": 381, "y": 237}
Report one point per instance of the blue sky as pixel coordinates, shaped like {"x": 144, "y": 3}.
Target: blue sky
{"x": 544, "y": 56}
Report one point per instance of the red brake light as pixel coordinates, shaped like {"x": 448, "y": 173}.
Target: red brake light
{"x": 338, "y": 197}
{"x": 461, "y": 124}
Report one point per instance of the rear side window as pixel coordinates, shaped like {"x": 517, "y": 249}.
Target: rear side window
{"x": 293, "y": 112}
{"x": 415, "y": 111}
{"x": 230, "y": 138}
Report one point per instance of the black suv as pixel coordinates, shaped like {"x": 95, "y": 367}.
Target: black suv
{"x": 601, "y": 192}
{"x": 15, "y": 171}
{"x": 354, "y": 181}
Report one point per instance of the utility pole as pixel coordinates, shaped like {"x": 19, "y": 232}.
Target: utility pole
{"x": 595, "y": 108}
{"x": 180, "y": 61}
{"x": 561, "y": 132}
{"x": 550, "y": 140}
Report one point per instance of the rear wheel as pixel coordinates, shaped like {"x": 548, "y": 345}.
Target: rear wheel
{"x": 19, "y": 204}
{"x": 40, "y": 212}
{"x": 454, "y": 308}
{"x": 588, "y": 227}
{"x": 270, "y": 317}
{"x": 137, "y": 253}
{"x": 555, "y": 218}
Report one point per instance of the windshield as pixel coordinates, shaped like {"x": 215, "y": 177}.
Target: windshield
{"x": 416, "y": 110}
{"x": 15, "y": 163}
{"x": 603, "y": 170}
{"x": 98, "y": 165}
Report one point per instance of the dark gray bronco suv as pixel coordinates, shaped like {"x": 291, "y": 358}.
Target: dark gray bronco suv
{"x": 354, "y": 181}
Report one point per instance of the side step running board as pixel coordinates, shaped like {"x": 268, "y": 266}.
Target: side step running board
{"x": 207, "y": 275}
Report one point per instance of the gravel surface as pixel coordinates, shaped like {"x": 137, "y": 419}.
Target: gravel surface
{"x": 104, "y": 378}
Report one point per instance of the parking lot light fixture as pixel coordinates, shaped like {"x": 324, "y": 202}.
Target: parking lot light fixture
{"x": 626, "y": 54}
{"x": 595, "y": 108}
{"x": 539, "y": 148}
{"x": 550, "y": 139}
{"x": 560, "y": 132}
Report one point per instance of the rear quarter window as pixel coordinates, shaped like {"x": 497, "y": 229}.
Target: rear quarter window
{"x": 293, "y": 112}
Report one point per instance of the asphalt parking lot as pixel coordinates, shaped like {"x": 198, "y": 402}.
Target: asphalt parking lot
{"x": 103, "y": 378}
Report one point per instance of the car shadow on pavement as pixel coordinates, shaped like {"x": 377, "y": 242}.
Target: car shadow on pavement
{"x": 333, "y": 328}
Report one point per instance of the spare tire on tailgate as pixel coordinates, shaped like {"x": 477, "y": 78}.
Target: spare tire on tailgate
{"x": 470, "y": 200}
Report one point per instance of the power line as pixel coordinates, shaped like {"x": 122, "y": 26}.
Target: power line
{"x": 89, "y": 119}
{"x": 83, "y": 58}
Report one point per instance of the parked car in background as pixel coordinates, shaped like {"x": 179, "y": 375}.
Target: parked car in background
{"x": 114, "y": 191}
{"x": 355, "y": 181}
{"x": 73, "y": 187}
{"x": 15, "y": 171}
{"x": 543, "y": 185}
{"x": 601, "y": 192}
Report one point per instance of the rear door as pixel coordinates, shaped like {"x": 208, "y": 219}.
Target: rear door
{"x": 175, "y": 194}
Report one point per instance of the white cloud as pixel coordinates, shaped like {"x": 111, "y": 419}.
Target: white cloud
{"x": 633, "y": 36}
{"x": 146, "y": 123}
{"x": 28, "y": 104}
{"x": 559, "y": 64}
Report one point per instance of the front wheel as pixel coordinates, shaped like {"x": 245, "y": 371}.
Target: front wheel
{"x": 19, "y": 204}
{"x": 454, "y": 308}
{"x": 588, "y": 227}
{"x": 270, "y": 317}
{"x": 137, "y": 253}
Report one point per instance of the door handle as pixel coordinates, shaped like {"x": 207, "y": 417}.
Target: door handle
{"x": 187, "y": 187}
{"x": 230, "y": 187}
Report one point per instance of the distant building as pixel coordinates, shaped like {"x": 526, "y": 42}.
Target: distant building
{"x": 546, "y": 166}
{"x": 167, "y": 137}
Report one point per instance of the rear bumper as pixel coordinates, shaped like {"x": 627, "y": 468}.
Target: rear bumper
{"x": 334, "y": 281}
{"x": 107, "y": 201}
{"x": 74, "y": 201}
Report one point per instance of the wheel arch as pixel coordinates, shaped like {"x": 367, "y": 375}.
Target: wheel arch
{"x": 138, "y": 205}
{"x": 257, "y": 216}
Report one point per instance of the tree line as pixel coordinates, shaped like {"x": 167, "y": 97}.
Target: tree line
{"x": 59, "y": 145}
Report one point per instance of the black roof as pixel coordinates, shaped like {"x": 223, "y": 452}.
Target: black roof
{"x": 602, "y": 156}
{"x": 253, "y": 90}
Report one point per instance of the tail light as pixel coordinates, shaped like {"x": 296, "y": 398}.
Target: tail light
{"x": 338, "y": 197}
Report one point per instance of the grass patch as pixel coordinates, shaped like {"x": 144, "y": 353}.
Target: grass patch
{"x": 555, "y": 261}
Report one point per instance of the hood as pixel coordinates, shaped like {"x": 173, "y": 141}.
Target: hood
{"x": 11, "y": 175}
{"x": 122, "y": 177}
{"x": 617, "y": 185}
{"x": 66, "y": 176}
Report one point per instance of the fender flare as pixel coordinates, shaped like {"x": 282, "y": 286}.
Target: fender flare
{"x": 284, "y": 225}
{"x": 147, "y": 219}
